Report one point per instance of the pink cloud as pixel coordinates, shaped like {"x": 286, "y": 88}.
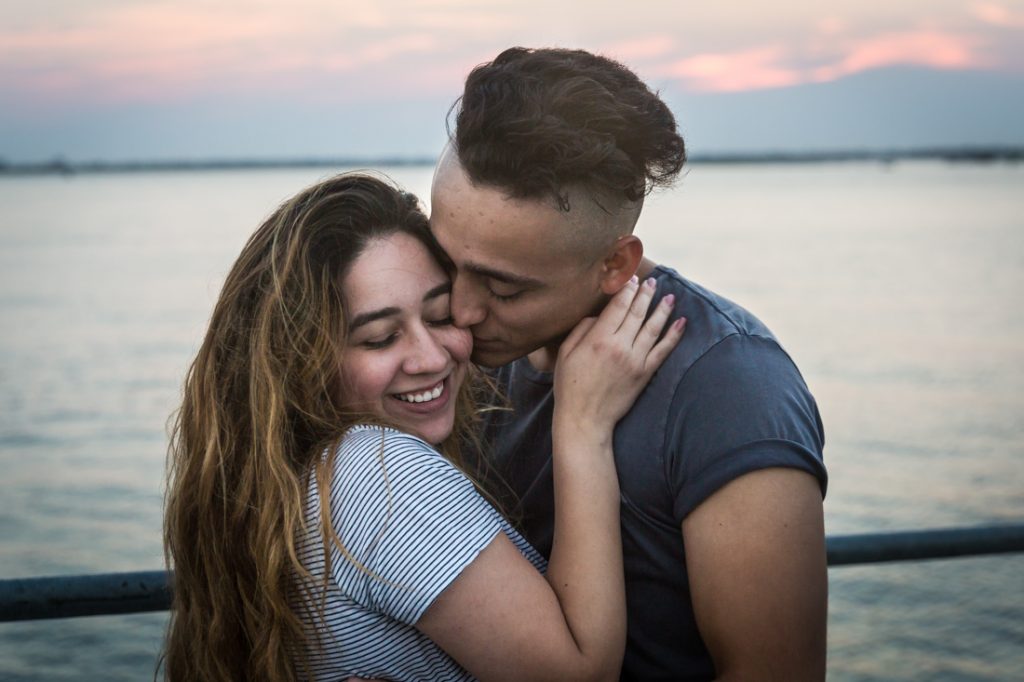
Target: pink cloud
{"x": 167, "y": 49}
{"x": 997, "y": 15}
{"x": 140, "y": 51}
{"x": 776, "y": 66}
{"x": 146, "y": 28}
{"x": 728, "y": 72}
{"x": 921, "y": 48}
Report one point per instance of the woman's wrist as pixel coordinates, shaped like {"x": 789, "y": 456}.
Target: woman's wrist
{"x": 581, "y": 434}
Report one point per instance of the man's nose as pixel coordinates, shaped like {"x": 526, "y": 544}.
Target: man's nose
{"x": 469, "y": 306}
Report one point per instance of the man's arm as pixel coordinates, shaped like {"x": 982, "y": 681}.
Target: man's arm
{"x": 755, "y": 553}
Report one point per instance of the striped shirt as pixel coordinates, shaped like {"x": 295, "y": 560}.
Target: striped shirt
{"x": 413, "y": 522}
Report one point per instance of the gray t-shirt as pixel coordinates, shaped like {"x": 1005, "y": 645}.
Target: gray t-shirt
{"x": 726, "y": 402}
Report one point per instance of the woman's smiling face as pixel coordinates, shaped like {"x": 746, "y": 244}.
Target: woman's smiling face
{"x": 404, "y": 361}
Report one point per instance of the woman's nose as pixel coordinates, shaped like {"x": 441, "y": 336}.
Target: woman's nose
{"x": 427, "y": 355}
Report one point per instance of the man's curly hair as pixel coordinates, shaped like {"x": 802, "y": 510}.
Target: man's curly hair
{"x": 535, "y": 121}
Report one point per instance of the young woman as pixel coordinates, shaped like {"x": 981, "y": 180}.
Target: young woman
{"x": 319, "y": 521}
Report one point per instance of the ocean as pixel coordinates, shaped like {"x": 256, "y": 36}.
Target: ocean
{"x": 895, "y": 287}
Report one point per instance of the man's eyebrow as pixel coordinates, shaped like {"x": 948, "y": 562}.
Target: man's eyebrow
{"x": 506, "y": 277}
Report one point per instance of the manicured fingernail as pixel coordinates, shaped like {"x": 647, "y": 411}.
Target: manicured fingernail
{"x": 679, "y": 324}
{"x": 649, "y": 283}
{"x": 634, "y": 280}
{"x": 668, "y": 300}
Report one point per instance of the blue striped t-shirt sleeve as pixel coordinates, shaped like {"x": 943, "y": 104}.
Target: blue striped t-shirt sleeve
{"x": 409, "y": 516}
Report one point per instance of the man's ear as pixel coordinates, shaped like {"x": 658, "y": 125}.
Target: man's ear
{"x": 621, "y": 263}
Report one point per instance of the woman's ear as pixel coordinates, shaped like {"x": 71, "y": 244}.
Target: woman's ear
{"x": 621, "y": 263}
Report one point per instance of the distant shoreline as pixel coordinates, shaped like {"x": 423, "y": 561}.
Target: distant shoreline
{"x": 64, "y": 167}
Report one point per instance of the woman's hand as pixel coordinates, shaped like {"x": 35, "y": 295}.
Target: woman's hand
{"x": 606, "y": 361}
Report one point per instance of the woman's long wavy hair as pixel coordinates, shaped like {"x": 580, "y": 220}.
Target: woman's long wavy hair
{"x": 260, "y": 407}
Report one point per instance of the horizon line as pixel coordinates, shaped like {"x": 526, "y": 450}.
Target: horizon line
{"x": 62, "y": 166}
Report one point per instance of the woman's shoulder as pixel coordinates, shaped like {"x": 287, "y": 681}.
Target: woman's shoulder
{"x": 381, "y": 452}
{"x": 376, "y": 441}
{"x": 390, "y": 489}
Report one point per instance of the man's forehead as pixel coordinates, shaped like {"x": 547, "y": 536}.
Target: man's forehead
{"x": 482, "y": 226}
{"x": 510, "y": 254}
{"x": 504, "y": 245}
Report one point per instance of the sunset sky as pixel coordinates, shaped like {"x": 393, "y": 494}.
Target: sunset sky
{"x": 132, "y": 79}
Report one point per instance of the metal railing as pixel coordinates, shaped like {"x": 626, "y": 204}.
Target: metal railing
{"x": 144, "y": 591}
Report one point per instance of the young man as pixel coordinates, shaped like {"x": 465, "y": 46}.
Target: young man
{"x": 720, "y": 460}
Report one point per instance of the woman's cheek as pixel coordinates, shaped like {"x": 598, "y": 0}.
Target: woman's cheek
{"x": 461, "y": 344}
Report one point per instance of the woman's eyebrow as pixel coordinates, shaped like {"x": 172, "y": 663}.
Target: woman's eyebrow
{"x": 439, "y": 290}
{"x": 366, "y": 318}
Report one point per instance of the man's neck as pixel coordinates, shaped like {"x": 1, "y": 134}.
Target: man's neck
{"x": 646, "y": 268}
{"x": 544, "y": 358}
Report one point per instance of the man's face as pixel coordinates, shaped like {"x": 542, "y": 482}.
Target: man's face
{"x": 519, "y": 283}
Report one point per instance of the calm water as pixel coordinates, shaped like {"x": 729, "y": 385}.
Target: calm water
{"x": 894, "y": 287}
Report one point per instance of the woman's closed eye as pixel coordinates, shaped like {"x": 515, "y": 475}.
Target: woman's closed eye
{"x": 382, "y": 342}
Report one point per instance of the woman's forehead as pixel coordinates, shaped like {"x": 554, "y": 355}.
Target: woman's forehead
{"x": 397, "y": 268}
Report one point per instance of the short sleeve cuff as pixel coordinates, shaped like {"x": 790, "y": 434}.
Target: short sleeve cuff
{"x": 765, "y": 454}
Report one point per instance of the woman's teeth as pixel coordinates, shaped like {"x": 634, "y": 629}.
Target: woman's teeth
{"x": 423, "y": 397}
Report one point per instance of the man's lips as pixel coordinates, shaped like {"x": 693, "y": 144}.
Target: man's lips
{"x": 478, "y": 341}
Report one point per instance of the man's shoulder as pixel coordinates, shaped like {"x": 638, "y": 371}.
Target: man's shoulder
{"x": 716, "y": 316}
{"x": 728, "y": 385}
{"x": 719, "y": 333}
{"x": 714, "y": 323}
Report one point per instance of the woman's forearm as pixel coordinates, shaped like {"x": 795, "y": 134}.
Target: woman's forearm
{"x": 585, "y": 570}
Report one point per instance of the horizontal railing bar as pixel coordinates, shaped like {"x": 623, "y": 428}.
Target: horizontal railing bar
{"x": 915, "y": 545}
{"x": 144, "y": 591}
{"x": 67, "y": 596}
